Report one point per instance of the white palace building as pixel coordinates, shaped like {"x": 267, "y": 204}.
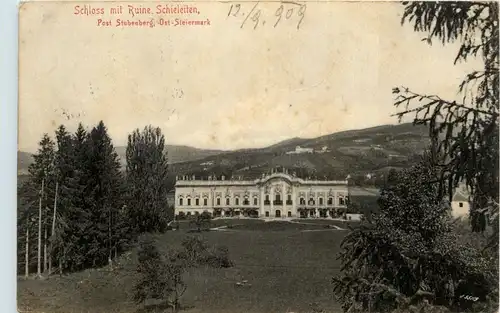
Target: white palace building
{"x": 271, "y": 196}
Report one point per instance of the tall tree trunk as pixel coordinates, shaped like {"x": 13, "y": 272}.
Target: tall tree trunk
{"x": 27, "y": 258}
{"x": 45, "y": 249}
{"x": 53, "y": 233}
{"x": 39, "y": 259}
{"x": 110, "y": 247}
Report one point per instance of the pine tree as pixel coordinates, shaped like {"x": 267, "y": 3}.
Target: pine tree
{"x": 147, "y": 180}
{"x": 408, "y": 253}
{"x": 465, "y": 132}
{"x": 104, "y": 188}
{"x": 80, "y": 215}
{"x": 37, "y": 190}
{"x": 64, "y": 225}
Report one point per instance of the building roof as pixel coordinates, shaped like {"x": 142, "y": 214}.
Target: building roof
{"x": 460, "y": 197}
{"x": 291, "y": 179}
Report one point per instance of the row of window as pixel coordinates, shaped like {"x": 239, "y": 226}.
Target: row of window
{"x": 277, "y": 201}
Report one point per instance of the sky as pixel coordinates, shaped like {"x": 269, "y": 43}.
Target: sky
{"x": 221, "y": 86}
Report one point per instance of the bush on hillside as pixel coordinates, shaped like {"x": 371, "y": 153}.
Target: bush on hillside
{"x": 218, "y": 257}
{"x": 159, "y": 278}
{"x": 193, "y": 250}
{"x": 196, "y": 252}
{"x": 153, "y": 280}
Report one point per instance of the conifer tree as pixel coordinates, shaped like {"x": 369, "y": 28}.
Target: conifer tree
{"x": 408, "y": 255}
{"x": 464, "y": 132}
{"x": 37, "y": 189}
{"x": 104, "y": 187}
{"x": 64, "y": 225}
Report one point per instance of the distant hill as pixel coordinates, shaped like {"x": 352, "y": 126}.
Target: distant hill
{"x": 361, "y": 152}
{"x": 371, "y": 151}
{"x": 289, "y": 142}
{"x": 24, "y": 159}
{"x": 176, "y": 154}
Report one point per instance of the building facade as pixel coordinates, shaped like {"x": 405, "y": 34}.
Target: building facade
{"x": 272, "y": 196}
{"x": 460, "y": 204}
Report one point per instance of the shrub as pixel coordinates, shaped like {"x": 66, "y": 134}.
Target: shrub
{"x": 218, "y": 257}
{"x": 175, "y": 270}
{"x": 194, "y": 249}
{"x": 196, "y": 252}
{"x": 159, "y": 278}
{"x": 152, "y": 282}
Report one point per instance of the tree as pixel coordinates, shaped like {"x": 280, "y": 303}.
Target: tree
{"x": 201, "y": 221}
{"x": 408, "y": 252}
{"x": 63, "y": 172}
{"x": 175, "y": 270}
{"x": 40, "y": 179}
{"x": 159, "y": 278}
{"x": 74, "y": 162}
{"x": 463, "y": 132}
{"x": 152, "y": 282}
{"x": 147, "y": 180}
{"x": 104, "y": 191}
{"x": 81, "y": 210}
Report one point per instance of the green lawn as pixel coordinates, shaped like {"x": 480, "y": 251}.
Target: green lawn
{"x": 289, "y": 270}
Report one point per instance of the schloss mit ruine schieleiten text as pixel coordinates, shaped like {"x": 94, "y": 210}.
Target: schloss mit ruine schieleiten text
{"x": 132, "y": 15}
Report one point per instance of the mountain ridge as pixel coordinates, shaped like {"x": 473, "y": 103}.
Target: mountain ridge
{"x": 358, "y": 150}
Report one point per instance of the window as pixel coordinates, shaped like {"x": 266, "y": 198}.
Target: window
{"x": 255, "y": 201}
{"x": 227, "y": 201}
{"x": 277, "y": 199}
{"x": 197, "y": 201}
{"x": 205, "y": 201}
{"x": 302, "y": 201}
{"x": 289, "y": 214}
{"x": 189, "y": 201}
{"x": 330, "y": 201}
{"x": 246, "y": 202}
{"x": 320, "y": 201}
{"x": 267, "y": 202}
{"x": 237, "y": 201}
{"x": 267, "y": 213}
{"x": 341, "y": 201}
{"x": 460, "y": 204}
{"x": 180, "y": 201}
{"x": 218, "y": 201}
{"x": 289, "y": 200}
{"x": 311, "y": 201}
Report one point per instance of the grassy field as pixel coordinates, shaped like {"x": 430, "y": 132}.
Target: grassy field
{"x": 288, "y": 266}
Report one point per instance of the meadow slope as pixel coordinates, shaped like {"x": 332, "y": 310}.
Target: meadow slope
{"x": 288, "y": 266}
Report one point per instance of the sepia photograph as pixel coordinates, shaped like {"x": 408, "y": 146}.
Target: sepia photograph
{"x": 258, "y": 157}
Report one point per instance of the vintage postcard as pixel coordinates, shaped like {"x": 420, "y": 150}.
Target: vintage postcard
{"x": 258, "y": 156}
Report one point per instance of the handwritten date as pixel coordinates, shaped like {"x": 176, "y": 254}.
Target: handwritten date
{"x": 286, "y": 10}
